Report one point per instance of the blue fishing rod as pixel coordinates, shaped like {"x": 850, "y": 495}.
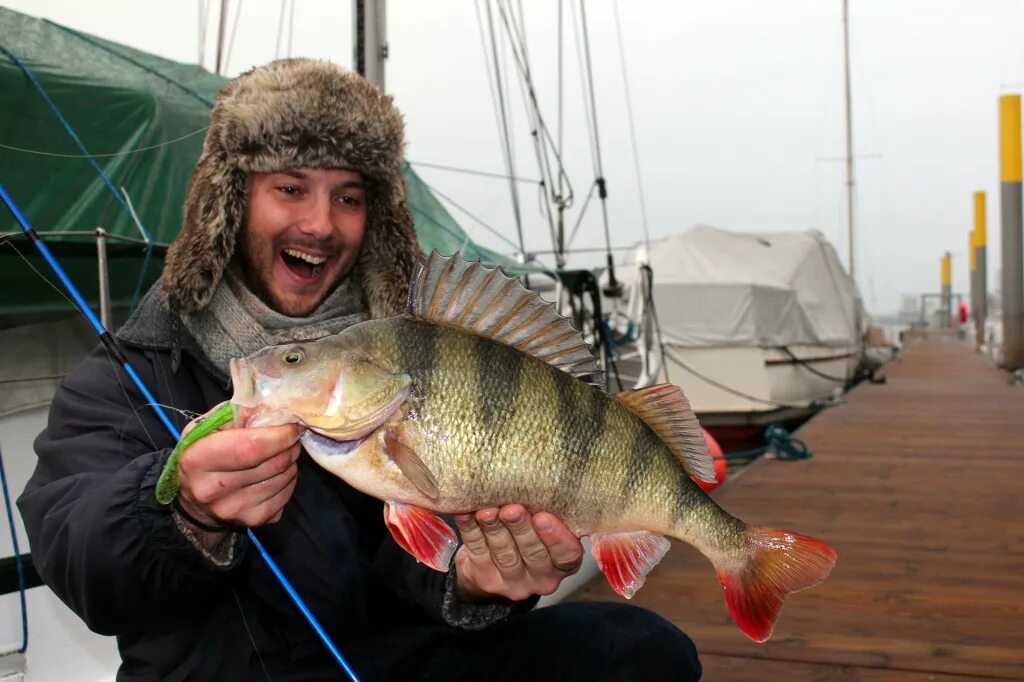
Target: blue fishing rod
{"x": 112, "y": 346}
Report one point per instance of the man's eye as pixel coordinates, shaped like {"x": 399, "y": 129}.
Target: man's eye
{"x": 288, "y": 190}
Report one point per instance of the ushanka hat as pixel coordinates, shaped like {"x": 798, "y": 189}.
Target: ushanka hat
{"x": 288, "y": 114}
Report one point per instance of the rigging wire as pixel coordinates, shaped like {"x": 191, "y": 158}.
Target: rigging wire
{"x": 614, "y": 288}
{"x": 291, "y": 26}
{"x": 583, "y": 212}
{"x": 506, "y": 146}
{"x": 127, "y": 152}
{"x": 561, "y": 128}
{"x": 517, "y": 41}
{"x": 204, "y": 10}
{"x": 231, "y": 40}
{"x": 632, "y": 128}
{"x": 469, "y": 171}
{"x": 280, "y": 29}
{"x": 492, "y": 230}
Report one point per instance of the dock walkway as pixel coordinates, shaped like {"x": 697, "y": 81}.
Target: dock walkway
{"x": 919, "y": 486}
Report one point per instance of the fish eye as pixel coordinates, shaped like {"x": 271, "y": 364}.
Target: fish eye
{"x": 293, "y": 357}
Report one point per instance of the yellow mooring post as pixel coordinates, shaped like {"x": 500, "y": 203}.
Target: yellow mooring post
{"x": 979, "y": 269}
{"x": 1012, "y": 233}
{"x": 945, "y": 316}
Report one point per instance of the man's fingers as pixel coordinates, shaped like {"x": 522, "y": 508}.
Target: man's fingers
{"x": 263, "y": 501}
{"x": 563, "y": 546}
{"x": 530, "y": 547}
{"x": 217, "y": 484}
{"x": 239, "y": 449}
{"x": 472, "y": 535}
{"x": 502, "y": 546}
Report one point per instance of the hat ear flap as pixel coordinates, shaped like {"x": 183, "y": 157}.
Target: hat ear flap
{"x": 214, "y": 212}
{"x": 389, "y": 257}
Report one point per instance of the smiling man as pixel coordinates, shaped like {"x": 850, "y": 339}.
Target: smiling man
{"x": 295, "y": 227}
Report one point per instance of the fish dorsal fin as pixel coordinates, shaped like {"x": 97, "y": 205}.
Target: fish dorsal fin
{"x": 666, "y": 410}
{"x": 485, "y": 302}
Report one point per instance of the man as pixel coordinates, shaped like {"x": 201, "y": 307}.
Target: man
{"x": 295, "y": 227}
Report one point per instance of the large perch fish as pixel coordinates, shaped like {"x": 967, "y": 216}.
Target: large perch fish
{"x": 473, "y": 399}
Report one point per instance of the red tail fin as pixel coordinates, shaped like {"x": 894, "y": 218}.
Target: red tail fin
{"x": 779, "y": 562}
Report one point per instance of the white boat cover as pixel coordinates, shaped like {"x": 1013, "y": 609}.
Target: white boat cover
{"x": 713, "y": 287}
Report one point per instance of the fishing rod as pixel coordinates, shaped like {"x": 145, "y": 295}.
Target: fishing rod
{"x": 114, "y": 348}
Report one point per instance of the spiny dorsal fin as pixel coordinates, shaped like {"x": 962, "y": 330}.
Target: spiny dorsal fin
{"x": 666, "y": 410}
{"x": 481, "y": 300}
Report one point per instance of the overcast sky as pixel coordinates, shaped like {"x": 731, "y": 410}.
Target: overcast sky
{"x": 738, "y": 106}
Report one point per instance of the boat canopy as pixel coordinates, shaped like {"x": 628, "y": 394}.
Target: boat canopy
{"x": 715, "y": 287}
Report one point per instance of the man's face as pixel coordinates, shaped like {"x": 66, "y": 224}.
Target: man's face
{"x": 303, "y": 229}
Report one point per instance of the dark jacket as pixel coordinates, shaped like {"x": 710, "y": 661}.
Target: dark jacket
{"x": 115, "y": 556}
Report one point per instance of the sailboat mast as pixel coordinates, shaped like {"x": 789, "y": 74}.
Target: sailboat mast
{"x": 369, "y": 39}
{"x": 849, "y": 137}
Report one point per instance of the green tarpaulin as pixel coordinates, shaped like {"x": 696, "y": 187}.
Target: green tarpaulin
{"x": 142, "y": 119}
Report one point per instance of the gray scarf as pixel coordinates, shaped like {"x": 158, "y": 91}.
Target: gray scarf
{"x": 236, "y": 323}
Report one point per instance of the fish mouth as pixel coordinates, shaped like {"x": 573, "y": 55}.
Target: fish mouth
{"x": 244, "y": 383}
{"x": 314, "y": 441}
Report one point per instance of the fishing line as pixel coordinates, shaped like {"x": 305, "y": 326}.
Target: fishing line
{"x": 116, "y": 353}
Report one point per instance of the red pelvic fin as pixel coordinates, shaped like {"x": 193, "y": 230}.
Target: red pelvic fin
{"x": 627, "y": 558}
{"x": 780, "y": 562}
{"x": 422, "y": 534}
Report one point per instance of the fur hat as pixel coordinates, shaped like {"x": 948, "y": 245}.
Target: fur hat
{"x": 295, "y": 113}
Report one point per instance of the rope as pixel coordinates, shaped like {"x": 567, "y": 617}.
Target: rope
{"x": 779, "y": 442}
{"x": 807, "y": 366}
{"x": 729, "y": 389}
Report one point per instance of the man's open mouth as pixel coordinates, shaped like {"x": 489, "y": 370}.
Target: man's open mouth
{"x": 303, "y": 264}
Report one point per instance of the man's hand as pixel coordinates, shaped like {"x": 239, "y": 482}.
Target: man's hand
{"x": 240, "y": 477}
{"x": 506, "y": 553}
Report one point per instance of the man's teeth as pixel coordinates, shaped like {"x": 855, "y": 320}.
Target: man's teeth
{"x": 309, "y": 258}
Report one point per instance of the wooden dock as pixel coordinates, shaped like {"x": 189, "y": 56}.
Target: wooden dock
{"x": 919, "y": 486}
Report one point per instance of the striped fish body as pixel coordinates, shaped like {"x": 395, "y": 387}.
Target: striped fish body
{"x": 474, "y": 399}
{"x": 496, "y": 425}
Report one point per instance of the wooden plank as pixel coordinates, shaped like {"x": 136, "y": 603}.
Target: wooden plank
{"x": 735, "y": 669}
{"x": 916, "y": 483}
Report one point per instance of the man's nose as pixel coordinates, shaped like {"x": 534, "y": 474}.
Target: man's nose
{"x": 317, "y": 220}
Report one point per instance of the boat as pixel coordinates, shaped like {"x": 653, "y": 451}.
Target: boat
{"x": 760, "y": 328}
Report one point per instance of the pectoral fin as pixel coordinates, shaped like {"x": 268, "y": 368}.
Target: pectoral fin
{"x": 410, "y": 463}
{"x": 422, "y": 534}
{"x": 627, "y": 558}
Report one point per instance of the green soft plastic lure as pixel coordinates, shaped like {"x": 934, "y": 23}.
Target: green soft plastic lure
{"x": 167, "y": 485}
